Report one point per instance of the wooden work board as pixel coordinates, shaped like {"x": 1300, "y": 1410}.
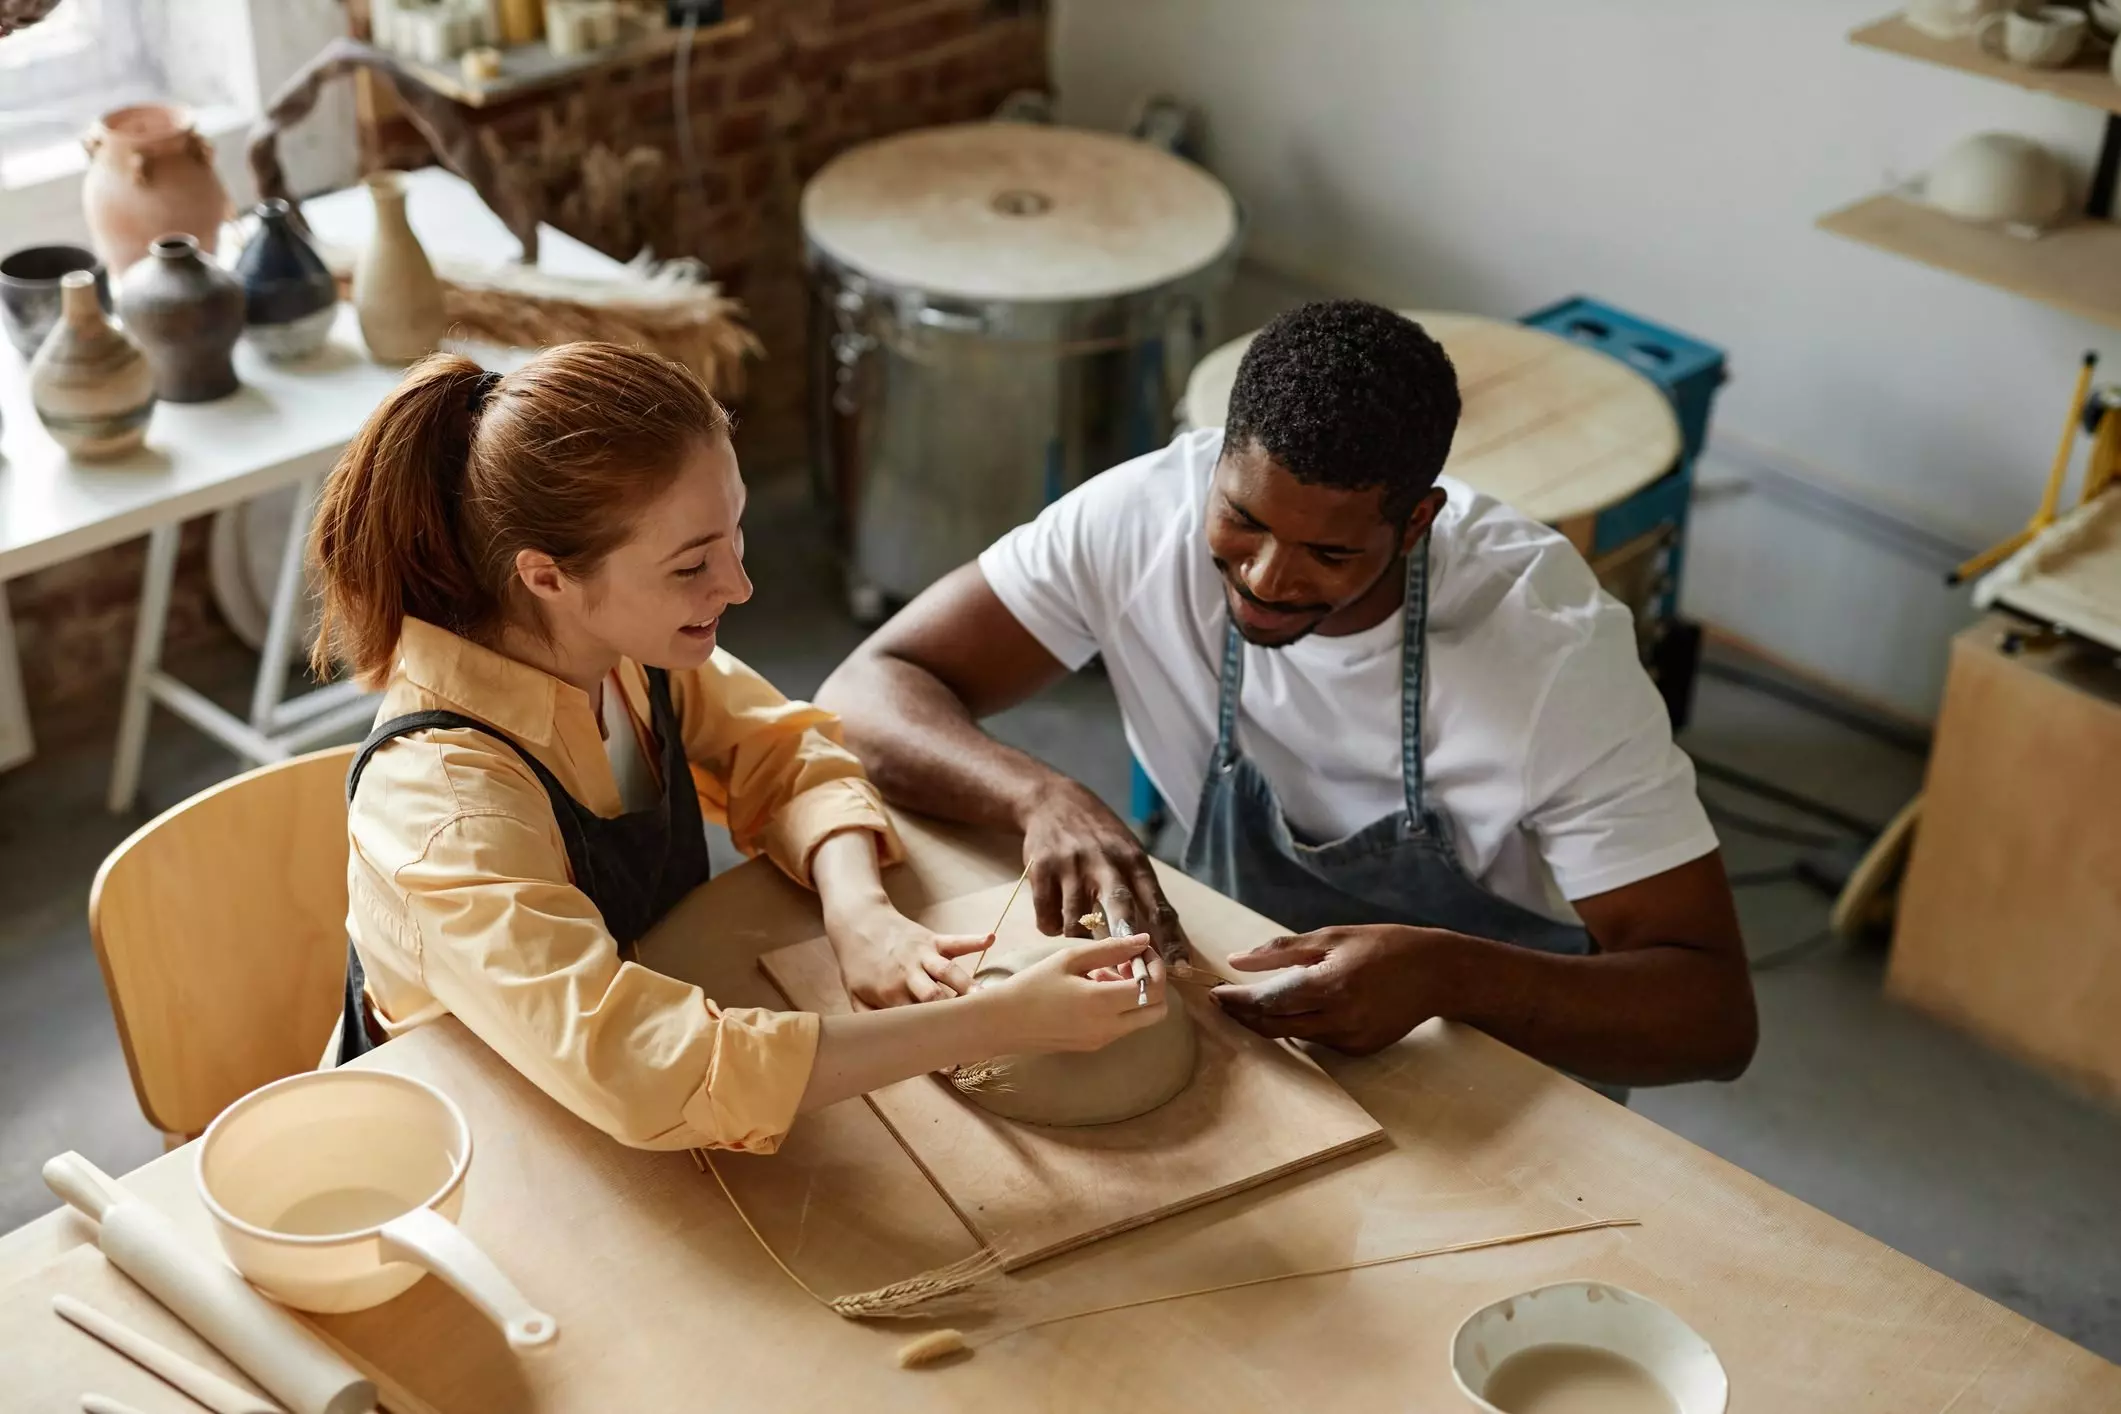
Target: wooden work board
{"x": 1255, "y": 1110}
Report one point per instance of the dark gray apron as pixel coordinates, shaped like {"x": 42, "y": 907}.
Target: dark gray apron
{"x": 634, "y": 867}
{"x": 1399, "y": 869}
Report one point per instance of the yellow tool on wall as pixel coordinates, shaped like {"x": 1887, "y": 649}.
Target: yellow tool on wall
{"x": 2096, "y": 415}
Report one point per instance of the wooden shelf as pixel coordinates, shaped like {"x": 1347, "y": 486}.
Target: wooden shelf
{"x": 2076, "y": 268}
{"x": 2086, "y": 81}
{"x": 525, "y": 68}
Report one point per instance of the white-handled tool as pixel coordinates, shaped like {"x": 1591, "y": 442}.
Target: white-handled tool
{"x": 1120, "y": 927}
{"x": 104, "y": 1404}
{"x": 189, "y": 1376}
{"x": 262, "y": 1340}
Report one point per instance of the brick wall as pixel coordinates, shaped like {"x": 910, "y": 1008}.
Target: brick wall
{"x": 766, "y": 110}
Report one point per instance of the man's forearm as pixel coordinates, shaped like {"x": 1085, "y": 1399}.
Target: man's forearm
{"x": 925, "y": 751}
{"x": 1646, "y": 1016}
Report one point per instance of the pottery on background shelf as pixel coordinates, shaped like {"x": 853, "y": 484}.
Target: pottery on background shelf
{"x": 29, "y": 290}
{"x": 289, "y": 295}
{"x": 150, "y": 174}
{"x": 187, "y": 313}
{"x": 395, "y": 291}
{"x": 91, "y": 386}
{"x": 1999, "y": 177}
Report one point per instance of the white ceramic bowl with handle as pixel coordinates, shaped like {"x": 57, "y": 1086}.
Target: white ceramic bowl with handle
{"x": 1602, "y": 1316}
{"x": 338, "y": 1189}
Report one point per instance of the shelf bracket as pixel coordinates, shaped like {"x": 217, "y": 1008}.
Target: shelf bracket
{"x": 2099, "y": 204}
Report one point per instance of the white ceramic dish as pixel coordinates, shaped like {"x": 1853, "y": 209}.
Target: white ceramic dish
{"x": 1596, "y": 1314}
{"x": 338, "y": 1189}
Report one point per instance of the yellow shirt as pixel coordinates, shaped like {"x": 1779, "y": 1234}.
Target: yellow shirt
{"x": 462, "y": 901}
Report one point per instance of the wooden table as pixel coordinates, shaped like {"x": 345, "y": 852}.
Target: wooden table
{"x": 1559, "y": 431}
{"x": 1806, "y": 1313}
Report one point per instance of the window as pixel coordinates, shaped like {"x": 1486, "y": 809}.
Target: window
{"x": 84, "y": 58}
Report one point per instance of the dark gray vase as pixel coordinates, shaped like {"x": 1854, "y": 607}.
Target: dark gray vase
{"x": 186, "y": 313}
{"x": 29, "y": 291}
{"x": 289, "y": 296}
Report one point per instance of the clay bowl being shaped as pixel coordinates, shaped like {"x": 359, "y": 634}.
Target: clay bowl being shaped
{"x": 1999, "y": 177}
{"x": 1581, "y": 1340}
{"x": 1130, "y": 1077}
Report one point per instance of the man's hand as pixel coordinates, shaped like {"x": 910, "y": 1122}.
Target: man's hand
{"x": 888, "y": 959}
{"x": 1083, "y": 859}
{"x": 1355, "y": 989}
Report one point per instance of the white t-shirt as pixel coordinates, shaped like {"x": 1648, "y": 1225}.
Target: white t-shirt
{"x": 1545, "y": 743}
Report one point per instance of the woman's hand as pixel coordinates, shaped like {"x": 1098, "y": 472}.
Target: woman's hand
{"x": 1057, "y": 1005}
{"x": 888, "y": 959}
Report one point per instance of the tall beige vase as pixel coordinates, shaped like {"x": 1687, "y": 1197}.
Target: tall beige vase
{"x": 90, "y": 384}
{"x": 395, "y": 292}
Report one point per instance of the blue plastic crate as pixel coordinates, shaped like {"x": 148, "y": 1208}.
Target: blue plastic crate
{"x": 1688, "y": 370}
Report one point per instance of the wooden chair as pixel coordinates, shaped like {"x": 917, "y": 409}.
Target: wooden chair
{"x": 221, "y": 930}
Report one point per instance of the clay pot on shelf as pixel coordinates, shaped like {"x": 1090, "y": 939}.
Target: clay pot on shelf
{"x": 289, "y": 295}
{"x": 150, "y": 174}
{"x": 187, "y": 313}
{"x": 29, "y": 290}
{"x": 91, "y": 386}
{"x": 395, "y": 291}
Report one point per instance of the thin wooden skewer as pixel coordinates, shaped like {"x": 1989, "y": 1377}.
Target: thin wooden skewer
{"x": 993, "y": 932}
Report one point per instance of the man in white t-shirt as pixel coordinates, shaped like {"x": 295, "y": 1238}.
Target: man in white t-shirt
{"x": 1389, "y": 711}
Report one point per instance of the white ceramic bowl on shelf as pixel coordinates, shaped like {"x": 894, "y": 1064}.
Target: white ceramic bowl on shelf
{"x": 1999, "y": 177}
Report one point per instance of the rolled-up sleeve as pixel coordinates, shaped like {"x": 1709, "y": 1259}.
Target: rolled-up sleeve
{"x": 774, "y": 770}
{"x": 522, "y": 957}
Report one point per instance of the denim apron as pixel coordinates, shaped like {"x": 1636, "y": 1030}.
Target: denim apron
{"x": 634, "y": 867}
{"x": 1398, "y": 869}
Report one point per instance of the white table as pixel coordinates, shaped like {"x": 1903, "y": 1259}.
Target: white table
{"x": 285, "y": 427}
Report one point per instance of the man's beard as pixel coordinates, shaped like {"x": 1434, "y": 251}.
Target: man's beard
{"x": 1318, "y": 613}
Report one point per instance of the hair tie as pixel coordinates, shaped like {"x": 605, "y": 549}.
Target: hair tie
{"x": 482, "y": 390}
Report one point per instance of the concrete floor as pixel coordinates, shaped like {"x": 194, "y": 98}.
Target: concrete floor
{"x": 1966, "y": 1161}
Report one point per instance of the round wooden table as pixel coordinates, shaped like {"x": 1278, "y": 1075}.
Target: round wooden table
{"x": 1559, "y": 431}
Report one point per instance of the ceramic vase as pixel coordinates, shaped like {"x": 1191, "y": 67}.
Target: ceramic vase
{"x": 289, "y": 295}
{"x": 91, "y": 386}
{"x": 395, "y": 291}
{"x": 187, "y": 314}
{"x": 29, "y": 290}
{"x": 150, "y": 174}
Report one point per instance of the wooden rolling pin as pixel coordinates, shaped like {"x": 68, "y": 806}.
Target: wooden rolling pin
{"x": 262, "y": 1340}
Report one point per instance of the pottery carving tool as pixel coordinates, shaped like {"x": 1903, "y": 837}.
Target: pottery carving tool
{"x": 258, "y": 1337}
{"x": 194, "y": 1379}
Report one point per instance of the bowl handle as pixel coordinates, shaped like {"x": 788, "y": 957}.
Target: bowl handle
{"x": 428, "y": 1239}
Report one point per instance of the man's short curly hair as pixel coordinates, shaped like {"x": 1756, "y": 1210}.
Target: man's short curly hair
{"x": 1348, "y": 394}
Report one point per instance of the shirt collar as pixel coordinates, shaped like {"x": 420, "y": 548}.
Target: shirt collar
{"x": 496, "y": 689}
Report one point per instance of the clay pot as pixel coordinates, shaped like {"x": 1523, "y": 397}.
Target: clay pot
{"x": 91, "y": 386}
{"x": 289, "y": 295}
{"x": 150, "y": 174}
{"x": 187, "y": 313}
{"x": 395, "y": 291}
{"x": 29, "y": 290}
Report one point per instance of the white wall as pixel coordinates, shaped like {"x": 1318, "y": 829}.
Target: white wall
{"x": 1494, "y": 155}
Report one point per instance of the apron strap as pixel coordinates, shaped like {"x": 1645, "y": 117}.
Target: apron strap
{"x": 1413, "y": 661}
{"x": 1231, "y": 686}
{"x": 437, "y": 719}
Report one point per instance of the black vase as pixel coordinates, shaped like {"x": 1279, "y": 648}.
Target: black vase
{"x": 289, "y": 296}
{"x": 186, "y": 314}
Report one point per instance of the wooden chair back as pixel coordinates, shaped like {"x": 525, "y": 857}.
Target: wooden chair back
{"x": 221, "y": 930}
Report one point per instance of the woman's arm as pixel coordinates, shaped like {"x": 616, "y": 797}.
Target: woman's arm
{"x": 886, "y": 958}
{"x": 1051, "y": 1006}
